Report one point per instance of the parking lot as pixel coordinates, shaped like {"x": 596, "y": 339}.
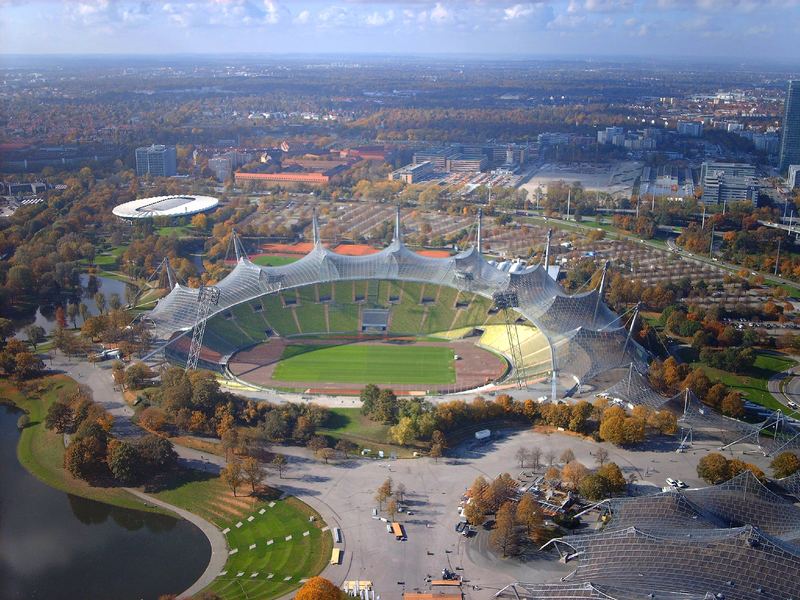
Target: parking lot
{"x": 344, "y": 493}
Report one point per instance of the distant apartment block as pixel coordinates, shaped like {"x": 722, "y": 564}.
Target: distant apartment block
{"x": 646, "y": 139}
{"x": 412, "y": 173}
{"x": 156, "y": 160}
{"x": 729, "y": 182}
{"x": 223, "y": 165}
{"x": 554, "y": 139}
{"x": 690, "y": 128}
{"x": 790, "y": 134}
{"x": 794, "y": 177}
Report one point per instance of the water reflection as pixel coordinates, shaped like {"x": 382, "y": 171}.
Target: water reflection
{"x": 56, "y": 546}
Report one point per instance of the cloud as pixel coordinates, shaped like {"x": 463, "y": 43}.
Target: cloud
{"x": 379, "y": 19}
{"x": 303, "y": 17}
{"x": 518, "y": 11}
{"x": 439, "y": 14}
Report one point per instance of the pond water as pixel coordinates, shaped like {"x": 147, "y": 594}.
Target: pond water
{"x": 57, "y": 546}
{"x": 45, "y": 316}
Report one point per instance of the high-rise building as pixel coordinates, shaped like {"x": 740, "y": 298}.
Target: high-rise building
{"x": 794, "y": 176}
{"x": 156, "y": 160}
{"x": 790, "y": 136}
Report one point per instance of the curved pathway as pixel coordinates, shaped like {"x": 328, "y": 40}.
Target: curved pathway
{"x": 219, "y": 546}
{"x": 788, "y": 392}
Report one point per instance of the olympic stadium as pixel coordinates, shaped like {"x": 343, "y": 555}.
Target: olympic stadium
{"x": 331, "y": 322}
{"x": 165, "y": 206}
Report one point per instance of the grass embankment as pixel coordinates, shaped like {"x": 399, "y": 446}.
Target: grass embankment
{"x": 752, "y": 383}
{"x": 349, "y": 424}
{"x": 359, "y": 364}
{"x": 41, "y": 451}
{"x": 287, "y": 561}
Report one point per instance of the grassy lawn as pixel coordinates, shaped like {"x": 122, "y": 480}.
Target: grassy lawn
{"x": 176, "y": 231}
{"x": 267, "y": 260}
{"x": 356, "y": 363}
{"x": 300, "y": 557}
{"x": 42, "y": 452}
{"x": 753, "y": 382}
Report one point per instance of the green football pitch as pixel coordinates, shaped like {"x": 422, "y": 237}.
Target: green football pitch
{"x": 367, "y": 363}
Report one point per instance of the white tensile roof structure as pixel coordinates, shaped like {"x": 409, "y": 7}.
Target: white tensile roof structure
{"x": 585, "y": 337}
{"x": 165, "y": 206}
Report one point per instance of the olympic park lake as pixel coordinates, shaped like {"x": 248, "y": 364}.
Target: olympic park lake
{"x": 57, "y": 546}
{"x": 45, "y": 316}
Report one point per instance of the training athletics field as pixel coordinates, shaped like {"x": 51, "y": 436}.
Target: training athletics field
{"x": 360, "y": 363}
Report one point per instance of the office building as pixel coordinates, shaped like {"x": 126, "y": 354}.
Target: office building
{"x": 156, "y": 160}
{"x": 790, "y": 135}
{"x": 730, "y": 169}
{"x": 412, "y": 173}
{"x": 794, "y": 177}
{"x": 720, "y": 187}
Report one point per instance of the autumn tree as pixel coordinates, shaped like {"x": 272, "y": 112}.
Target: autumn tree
{"x": 535, "y": 457}
{"x": 572, "y": 474}
{"x": 567, "y": 456}
{"x": 252, "y": 472}
{"x": 521, "y": 455}
{"x": 383, "y": 492}
{"x": 504, "y": 537}
{"x": 279, "y": 463}
{"x": 785, "y": 464}
{"x": 713, "y": 468}
{"x": 391, "y": 508}
{"x": 601, "y": 456}
{"x": 319, "y": 588}
{"x": 232, "y": 474}
{"x": 530, "y": 517}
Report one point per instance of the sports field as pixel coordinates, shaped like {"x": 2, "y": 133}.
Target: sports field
{"x": 360, "y": 363}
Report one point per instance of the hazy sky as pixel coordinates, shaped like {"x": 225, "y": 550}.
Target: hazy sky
{"x": 719, "y": 28}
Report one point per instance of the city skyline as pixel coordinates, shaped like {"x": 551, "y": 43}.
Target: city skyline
{"x": 751, "y": 29}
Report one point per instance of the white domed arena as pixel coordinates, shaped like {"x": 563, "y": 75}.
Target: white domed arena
{"x": 165, "y": 206}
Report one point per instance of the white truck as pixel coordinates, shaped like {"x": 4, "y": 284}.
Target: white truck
{"x": 482, "y": 435}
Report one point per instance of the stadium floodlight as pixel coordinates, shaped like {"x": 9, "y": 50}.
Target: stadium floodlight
{"x": 206, "y": 298}
{"x": 505, "y": 299}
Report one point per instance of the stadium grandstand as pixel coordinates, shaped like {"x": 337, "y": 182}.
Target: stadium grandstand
{"x": 399, "y": 292}
{"x": 733, "y": 541}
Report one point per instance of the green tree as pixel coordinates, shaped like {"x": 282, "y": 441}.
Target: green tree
{"x": 35, "y": 335}
{"x": 59, "y": 417}
{"x": 137, "y": 375}
{"x": 123, "y": 461}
